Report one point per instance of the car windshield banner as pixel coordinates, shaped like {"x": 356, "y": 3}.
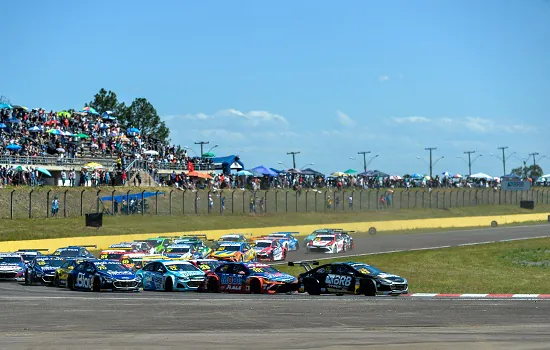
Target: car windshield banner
{"x": 511, "y": 185}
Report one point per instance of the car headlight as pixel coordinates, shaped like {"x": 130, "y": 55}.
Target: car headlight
{"x": 39, "y": 274}
{"x": 108, "y": 279}
{"x": 385, "y": 281}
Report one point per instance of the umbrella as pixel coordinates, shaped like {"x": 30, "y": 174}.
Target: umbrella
{"x": 133, "y": 131}
{"x": 481, "y": 176}
{"x": 445, "y": 174}
{"x": 89, "y": 110}
{"x": 208, "y": 155}
{"x": 457, "y": 176}
{"x": 20, "y": 107}
{"x": 13, "y": 147}
{"x": 416, "y": 176}
{"x": 13, "y": 120}
{"x": 60, "y": 150}
{"x": 200, "y": 175}
{"x": 35, "y": 129}
{"x": 338, "y": 174}
{"x": 107, "y": 116}
{"x": 151, "y": 152}
{"x": 264, "y": 171}
{"x": 350, "y": 171}
{"x": 3, "y": 126}
{"x": 124, "y": 139}
{"x": 92, "y": 165}
{"x": 82, "y": 136}
{"x": 293, "y": 171}
{"x": 244, "y": 173}
{"x": 64, "y": 114}
{"x": 5, "y": 106}
{"x": 55, "y": 132}
{"x": 68, "y": 133}
{"x": 44, "y": 171}
{"x": 19, "y": 168}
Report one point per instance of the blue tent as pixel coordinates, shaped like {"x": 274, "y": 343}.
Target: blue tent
{"x": 277, "y": 171}
{"x": 228, "y": 163}
{"x": 129, "y": 197}
{"x": 263, "y": 170}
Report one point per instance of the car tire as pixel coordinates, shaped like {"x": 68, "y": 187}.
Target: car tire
{"x": 344, "y": 248}
{"x": 96, "y": 285}
{"x": 312, "y": 287}
{"x": 56, "y": 281}
{"x": 255, "y": 286}
{"x": 213, "y": 286}
{"x": 70, "y": 283}
{"x": 368, "y": 288}
{"x": 27, "y": 279}
{"x": 168, "y": 285}
{"x": 284, "y": 255}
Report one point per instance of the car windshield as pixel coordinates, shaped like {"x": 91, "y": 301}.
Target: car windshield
{"x": 264, "y": 269}
{"x": 10, "y": 259}
{"x": 181, "y": 267}
{"x": 367, "y": 269}
{"x": 67, "y": 253}
{"x": 111, "y": 256}
{"x": 208, "y": 265}
{"x": 52, "y": 262}
{"x": 263, "y": 244}
{"x": 28, "y": 257}
{"x": 231, "y": 239}
{"x": 178, "y": 250}
{"x": 111, "y": 267}
{"x": 229, "y": 248}
{"x": 325, "y": 238}
{"x": 278, "y": 235}
{"x": 154, "y": 242}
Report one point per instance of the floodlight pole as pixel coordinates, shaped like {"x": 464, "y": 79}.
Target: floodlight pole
{"x": 534, "y": 154}
{"x": 364, "y": 153}
{"x": 469, "y": 153}
{"x": 202, "y": 143}
{"x": 431, "y": 149}
{"x": 503, "y": 158}
{"x": 293, "y": 158}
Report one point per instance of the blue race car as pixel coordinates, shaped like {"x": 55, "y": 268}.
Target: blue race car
{"x": 97, "y": 275}
{"x": 12, "y": 266}
{"x": 42, "y": 269}
{"x": 170, "y": 275}
{"x": 28, "y": 255}
{"x": 287, "y": 239}
{"x": 74, "y": 252}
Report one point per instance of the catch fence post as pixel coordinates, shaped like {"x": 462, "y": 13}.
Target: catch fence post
{"x": 97, "y": 196}
{"x": 265, "y": 201}
{"x": 276, "y": 201}
{"x": 244, "y": 202}
{"x": 377, "y": 199}
{"x": 296, "y": 196}
{"x": 183, "y": 203}
{"x": 352, "y": 200}
{"x": 30, "y": 204}
{"x": 142, "y": 202}
{"x": 360, "y": 200}
{"x": 197, "y": 202}
{"x": 11, "y": 204}
{"x": 307, "y": 193}
{"x": 113, "y": 202}
{"x": 48, "y": 204}
{"x": 444, "y": 201}
{"x": 65, "y": 203}
{"x": 171, "y": 191}
{"x": 232, "y": 202}
{"x": 437, "y": 200}
{"x": 315, "y": 210}
{"x": 222, "y": 202}
{"x": 81, "y": 202}
{"x": 325, "y": 193}
{"x": 286, "y": 201}
{"x": 157, "y": 202}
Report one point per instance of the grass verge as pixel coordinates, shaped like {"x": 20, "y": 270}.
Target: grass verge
{"x": 24, "y": 229}
{"x": 508, "y": 267}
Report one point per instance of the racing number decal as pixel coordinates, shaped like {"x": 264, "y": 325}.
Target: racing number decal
{"x": 101, "y": 267}
{"x": 82, "y": 281}
{"x": 172, "y": 267}
{"x": 41, "y": 262}
{"x": 257, "y": 269}
{"x": 125, "y": 261}
{"x": 103, "y": 256}
{"x": 337, "y": 281}
{"x": 204, "y": 267}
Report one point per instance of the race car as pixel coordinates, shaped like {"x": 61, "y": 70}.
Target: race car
{"x": 97, "y": 275}
{"x": 29, "y": 254}
{"x": 61, "y": 274}
{"x": 131, "y": 247}
{"x": 199, "y": 249}
{"x": 327, "y": 243}
{"x": 348, "y": 278}
{"x": 138, "y": 260}
{"x": 269, "y": 249}
{"x": 74, "y": 252}
{"x": 170, "y": 275}
{"x": 250, "y": 278}
{"x": 311, "y": 236}
{"x": 348, "y": 240}
{"x": 229, "y": 251}
{"x": 287, "y": 239}
{"x": 179, "y": 251}
{"x": 234, "y": 237}
{"x": 206, "y": 265}
{"x": 42, "y": 269}
{"x": 191, "y": 239}
{"x": 12, "y": 266}
{"x": 158, "y": 245}
{"x": 112, "y": 254}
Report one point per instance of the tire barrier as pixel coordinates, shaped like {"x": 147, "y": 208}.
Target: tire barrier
{"x": 494, "y": 223}
{"x": 372, "y": 231}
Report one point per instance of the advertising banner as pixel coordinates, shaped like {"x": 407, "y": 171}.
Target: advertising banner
{"x": 516, "y": 185}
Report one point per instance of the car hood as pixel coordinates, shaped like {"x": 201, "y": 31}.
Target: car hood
{"x": 123, "y": 275}
{"x": 224, "y": 253}
{"x": 322, "y": 243}
{"x": 189, "y": 274}
{"x": 391, "y": 277}
{"x": 262, "y": 250}
{"x": 46, "y": 269}
{"x": 276, "y": 277}
{"x": 10, "y": 266}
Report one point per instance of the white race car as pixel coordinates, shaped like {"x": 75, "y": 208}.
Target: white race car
{"x": 270, "y": 249}
{"x": 327, "y": 243}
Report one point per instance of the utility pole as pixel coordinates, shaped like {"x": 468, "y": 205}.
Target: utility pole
{"x": 469, "y": 153}
{"x": 534, "y": 154}
{"x": 431, "y": 149}
{"x": 503, "y": 148}
{"x": 364, "y": 153}
{"x": 202, "y": 143}
{"x": 293, "y": 158}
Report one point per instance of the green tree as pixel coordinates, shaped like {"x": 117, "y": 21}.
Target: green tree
{"x": 107, "y": 101}
{"x": 532, "y": 171}
{"x": 142, "y": 115}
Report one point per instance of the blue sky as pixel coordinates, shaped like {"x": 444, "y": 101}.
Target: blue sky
{"x": 260, "y": 80}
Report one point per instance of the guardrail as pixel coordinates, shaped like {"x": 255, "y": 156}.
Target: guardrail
{"x": 53, "y": 161}
{"x": 25, "y": 203}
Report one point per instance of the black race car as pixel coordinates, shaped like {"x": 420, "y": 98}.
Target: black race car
{"x": 348, "y": 278}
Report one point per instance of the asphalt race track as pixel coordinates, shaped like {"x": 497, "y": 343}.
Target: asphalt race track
{"x": 39, "y": 317}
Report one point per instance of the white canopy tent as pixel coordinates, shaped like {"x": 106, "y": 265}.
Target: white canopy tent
{"x": 481, "y": 176}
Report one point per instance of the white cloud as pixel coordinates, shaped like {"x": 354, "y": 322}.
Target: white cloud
{"x": 383, "y": 78}
{"x": 413, "y": 119}
{"x": 345, "y": 119}
{"x": 251, "y": 118}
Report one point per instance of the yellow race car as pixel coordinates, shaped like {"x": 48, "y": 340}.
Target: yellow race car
{"x": 234, "y": 251}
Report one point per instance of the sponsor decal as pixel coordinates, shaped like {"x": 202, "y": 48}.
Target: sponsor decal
{"x": 338, "y": 281}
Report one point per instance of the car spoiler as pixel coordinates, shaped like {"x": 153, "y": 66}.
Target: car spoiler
{"x": 306, "y": 264}
{"x": 32, "y": 250}
{"x": 89, "y": 246}
{"x": 194, "y": 236}
{"x": 291, "y": 232}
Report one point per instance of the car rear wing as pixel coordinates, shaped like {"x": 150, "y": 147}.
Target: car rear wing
{"x": 205, "y": 237}
{"x": 89, "y": 246}
{"x": 306, "y": 264}
{"x": 32, "y": 250}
